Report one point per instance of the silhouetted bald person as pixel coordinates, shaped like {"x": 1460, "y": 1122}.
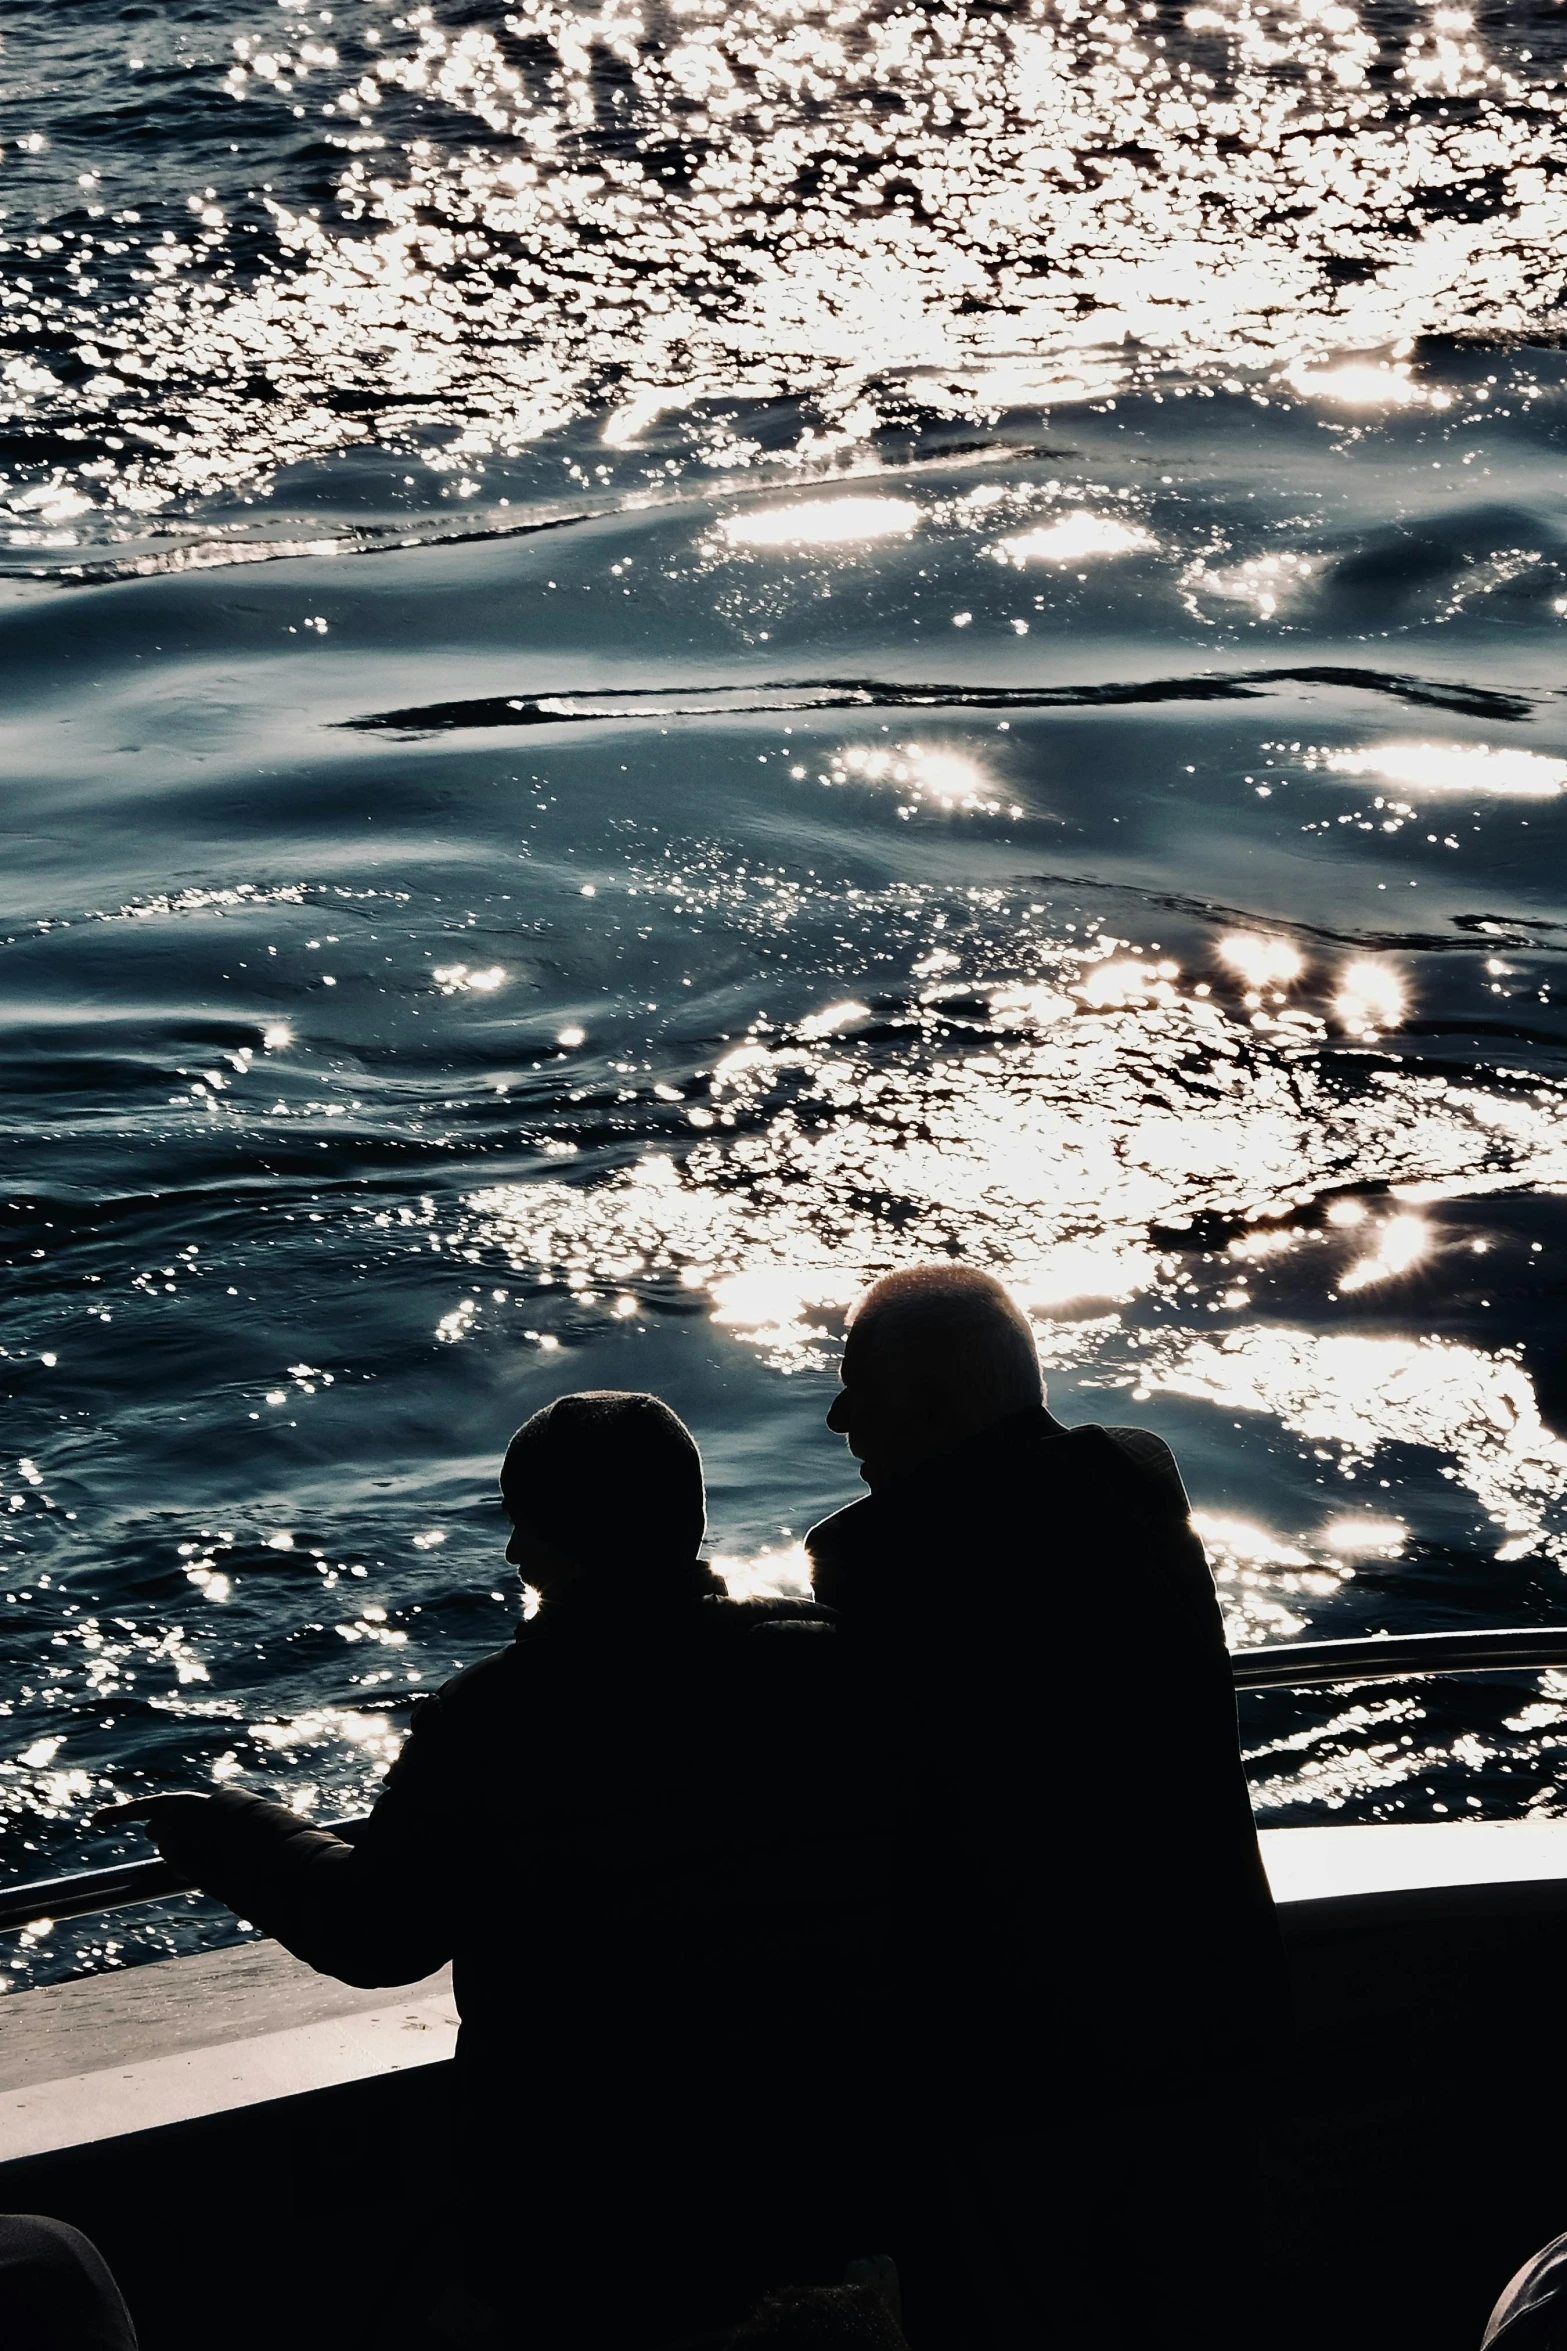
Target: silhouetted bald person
{"x": 1088, "y": 1934}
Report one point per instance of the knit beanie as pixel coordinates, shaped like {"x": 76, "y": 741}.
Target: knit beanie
{"x": 608, "y": 1478}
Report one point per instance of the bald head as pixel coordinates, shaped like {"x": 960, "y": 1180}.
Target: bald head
{"x": 933, "y": 1355}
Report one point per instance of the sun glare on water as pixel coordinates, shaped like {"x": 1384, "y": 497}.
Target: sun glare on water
{"x": 1260, "y": 961}
{"x": 1076, "y": 538}
{"x": 1400, "y": 1244}
{"x": 1364, "y": 385}
{"x": 1370, "y": 997}
{"x": 924, "y": 774}
{"x": 1455, "y": 767}
{"x": 827, "y": 522}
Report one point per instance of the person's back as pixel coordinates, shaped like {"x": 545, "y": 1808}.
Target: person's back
{"x": 615, "y": 1830}
{"x": 1091, "y": 1957}
{"x": 615, "y": 1817}
{"x": 1042, "y": 1623}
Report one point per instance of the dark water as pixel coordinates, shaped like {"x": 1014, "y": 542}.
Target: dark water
{"x": 658, "y": 659}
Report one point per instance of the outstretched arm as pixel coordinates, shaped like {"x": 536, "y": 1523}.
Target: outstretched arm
{"x": 370, "y": 1912}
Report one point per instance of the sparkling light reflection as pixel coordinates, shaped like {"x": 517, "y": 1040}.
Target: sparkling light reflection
{"x": 1475, "y": 1412}
{"x": 1366, "y": 1538}
{"x": 1371, "y": 997}
{"x": 833, "y": 1018}
{"x": 1265, "y": 582}
{"x": 1262, "y": 962}
{"x": 1455, "y": 767}
{"x": 1259, "y": 1575}
{"x": 456, "y": 979}
{"x": 498, "y": 255}
{"x": 923, "y": 773}
{"x": 1401, "y": 1243}
{"x": 831, "y": 522}
{"x": 1076, "y": 538}
{"x": 784, "y": 1574}
{"x": 1364, "y": 386}
{"x": 1044, "y": 1147}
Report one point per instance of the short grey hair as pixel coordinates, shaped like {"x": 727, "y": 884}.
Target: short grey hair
{"x": 956, "y": 1335}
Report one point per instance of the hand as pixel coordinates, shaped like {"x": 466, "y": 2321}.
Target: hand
{"x": 172, "y": 1822}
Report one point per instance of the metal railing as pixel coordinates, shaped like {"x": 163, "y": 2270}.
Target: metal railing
{"x": 1304, "y": 1665}
{"x": 88, "y": 1891}
{"x": 1277, "y": 1665}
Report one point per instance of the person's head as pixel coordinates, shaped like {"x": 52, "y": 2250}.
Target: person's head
{"x": 933, "y": 1355}
{"x": 601, "y": 1483}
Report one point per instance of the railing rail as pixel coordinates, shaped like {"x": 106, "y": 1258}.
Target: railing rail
{"x": 1304, "y": 1665}
{"x": 87, "y": 1891}
{"x": 1277, "y": 1665}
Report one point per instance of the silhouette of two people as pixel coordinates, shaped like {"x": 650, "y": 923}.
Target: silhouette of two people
{"x": 779, "y": 1929}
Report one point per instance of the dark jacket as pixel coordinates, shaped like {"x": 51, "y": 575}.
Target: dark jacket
{"x": 631, "y": 1831}
{"x": 1085, "y": 1908}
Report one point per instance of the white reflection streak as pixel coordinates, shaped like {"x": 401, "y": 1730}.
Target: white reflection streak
{"x": 1363, "y": 385}
{"x": 833, "y": 1018}
{"x": 1081, "y": 1271}
{"x": 1242, "y": 1540}
{"x": 1124, "y": 983}
{"x": 1455, "y": 767}
{"x": 626, "y": 426}
{"x": 374, "y": 1735}
{"x": 1365, "y": 1538}
{"x": 1076, "y": 538}
{"x": 828, "y": 522}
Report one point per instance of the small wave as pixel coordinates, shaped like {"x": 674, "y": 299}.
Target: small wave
{"x": 651, "y": 702}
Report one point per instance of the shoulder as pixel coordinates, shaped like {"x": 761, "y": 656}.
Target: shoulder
{"x": 842, "y": 1550}
{"x": 488, "y": 1681}
{"x": 1146, "y": 1479}
{"x": 1152, "y": 1456}
{"x": 769, "y": 1620}
{"x": 839, "y": 1527}
{"x": 783, "y": 1646}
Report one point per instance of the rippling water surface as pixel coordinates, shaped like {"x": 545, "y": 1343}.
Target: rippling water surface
{"x": 658, "y": 658}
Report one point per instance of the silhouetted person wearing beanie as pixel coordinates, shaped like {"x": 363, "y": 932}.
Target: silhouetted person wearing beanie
{"x": 1092, "y": 1964}
{"x": 635, "y": 1833}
